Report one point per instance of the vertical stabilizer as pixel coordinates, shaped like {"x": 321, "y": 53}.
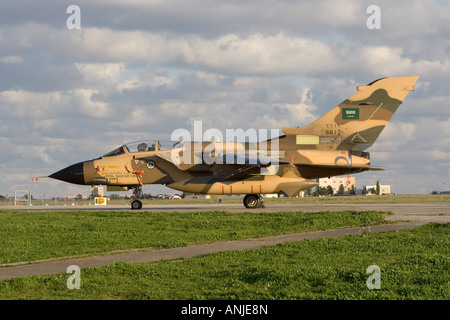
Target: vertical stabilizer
{"x": 357, "y": 122}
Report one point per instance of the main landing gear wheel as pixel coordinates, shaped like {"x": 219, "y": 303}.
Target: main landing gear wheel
{"x": 136, "y": 205}
{"x": 253, "y": 201}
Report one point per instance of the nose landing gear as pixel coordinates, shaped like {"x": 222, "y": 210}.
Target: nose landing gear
{"x": 136, "y": 204}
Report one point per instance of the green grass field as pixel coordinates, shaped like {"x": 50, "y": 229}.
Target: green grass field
{"x": 28, "y": 236}
{"x": 413, "y": 264}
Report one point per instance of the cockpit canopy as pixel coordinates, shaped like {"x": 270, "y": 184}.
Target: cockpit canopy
{"x": 115, "y": 152}
{"x": 141, "y": 146}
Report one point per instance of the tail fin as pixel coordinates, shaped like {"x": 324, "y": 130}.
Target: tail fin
{"x": 357, "y": 122}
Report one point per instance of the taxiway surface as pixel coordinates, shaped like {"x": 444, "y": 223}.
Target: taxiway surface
{"x": 428, "y": 212}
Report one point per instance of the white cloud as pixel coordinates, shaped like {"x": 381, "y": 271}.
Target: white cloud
{"x": 25, "y": 151}
{"x": 130, "y": 84}
{"x": 301, "y": 114}
{"x": 400, "y": 132}
{"x": 437, "y": 154}
{"x": 103, "y": 51}
{"x": 26, "y": 104}
{"x": 142, "y": 81}
{"x": 384, "y": 60}
{"x": 11, "y": 59}
{"x": 139, "y": 69}
{"x": 107, "y": 73}
{"x": 259, "y": 54}
{"x": 87, "y": 105}
{"x": 342, "y": 13}
{"x": 231, "y": 53}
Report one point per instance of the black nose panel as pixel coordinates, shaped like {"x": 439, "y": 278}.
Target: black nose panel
{"x": 71, "y": 174}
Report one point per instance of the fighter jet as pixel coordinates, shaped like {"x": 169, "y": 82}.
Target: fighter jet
{"x": 332, "y": 145}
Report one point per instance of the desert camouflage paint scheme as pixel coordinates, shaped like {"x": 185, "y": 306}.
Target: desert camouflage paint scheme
{"x": 332, "y": 145}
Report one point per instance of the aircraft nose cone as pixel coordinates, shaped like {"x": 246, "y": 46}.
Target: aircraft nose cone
{"x": 71, "y": 174}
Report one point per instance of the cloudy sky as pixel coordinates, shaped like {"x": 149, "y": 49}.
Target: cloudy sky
{"x": 139, "y": 69}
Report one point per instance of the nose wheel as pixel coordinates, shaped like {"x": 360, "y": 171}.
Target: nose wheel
{"x": 136, "y": 204}
{"x": 253, "y": 201}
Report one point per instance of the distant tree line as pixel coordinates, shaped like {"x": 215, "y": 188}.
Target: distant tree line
{"x": 328, "y": 191}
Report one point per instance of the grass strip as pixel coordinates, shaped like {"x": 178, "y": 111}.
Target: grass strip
{"x": 28, "y": 236}
{"x": 414, "y": 264}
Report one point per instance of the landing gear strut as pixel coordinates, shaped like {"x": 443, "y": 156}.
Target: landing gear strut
{"x": 136, "y": 204}
{"x": 253, "y": 201}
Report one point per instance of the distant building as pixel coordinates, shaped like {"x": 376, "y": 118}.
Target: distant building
{"x": 197, "y": 196}
{"x": 99, "y": 191}
{"x": 270, "y": 195}
{"x": 335, "y": 182}
{"x": 384, "y": 189}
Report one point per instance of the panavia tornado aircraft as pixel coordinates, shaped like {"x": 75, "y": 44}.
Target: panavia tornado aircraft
{"x": 332, "y": 145}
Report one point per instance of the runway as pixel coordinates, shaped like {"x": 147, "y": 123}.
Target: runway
{"x": 406, "y": 216}
{"x": 427, "y": 212}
